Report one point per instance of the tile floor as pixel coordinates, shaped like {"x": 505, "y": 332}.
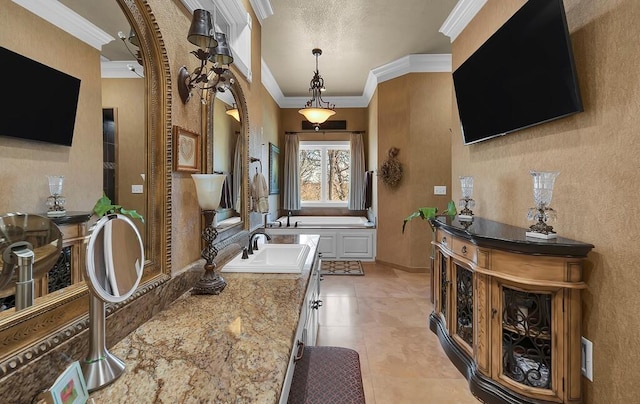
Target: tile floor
{"x": 384, "y": 316}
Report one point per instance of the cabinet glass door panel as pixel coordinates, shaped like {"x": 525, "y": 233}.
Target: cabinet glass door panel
{"x": 526, "y": 337}
{"x": 444, "y": 286}
{"x": 464, "y": 304}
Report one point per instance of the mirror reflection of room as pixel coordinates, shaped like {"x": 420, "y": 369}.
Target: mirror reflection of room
{"x": 227, "y": 157}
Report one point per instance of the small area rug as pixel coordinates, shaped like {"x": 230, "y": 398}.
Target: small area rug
{"x": 341, "y": 268}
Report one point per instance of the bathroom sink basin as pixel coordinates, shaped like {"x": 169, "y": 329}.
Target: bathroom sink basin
{"x": 271, "y": 258}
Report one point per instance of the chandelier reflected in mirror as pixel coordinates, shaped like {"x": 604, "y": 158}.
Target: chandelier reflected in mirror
{"x": 212, "y": 48}
{"x": 316, "y": 110}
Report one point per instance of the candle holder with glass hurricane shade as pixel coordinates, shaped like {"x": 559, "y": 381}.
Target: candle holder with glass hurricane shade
{"x": 542, "y": 213}
{"x": 56, "y": 201}
{"x": 466, "y": 203}
{"x": 209, "y": 191}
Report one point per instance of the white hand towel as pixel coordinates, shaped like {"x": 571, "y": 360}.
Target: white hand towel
{"x": 260, "y": 193}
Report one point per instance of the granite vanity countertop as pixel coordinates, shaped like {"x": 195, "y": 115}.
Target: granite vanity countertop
{"x": 230, "y": 348}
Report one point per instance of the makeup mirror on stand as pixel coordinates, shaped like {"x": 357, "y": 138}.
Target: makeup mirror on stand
{"x": 115, "y": 262}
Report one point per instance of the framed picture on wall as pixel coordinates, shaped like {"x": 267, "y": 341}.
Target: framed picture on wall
{"x": 274, "y": 168}
{"x": 186, "y": 150}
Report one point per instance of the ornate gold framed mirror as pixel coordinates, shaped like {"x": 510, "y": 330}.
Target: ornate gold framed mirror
{"x": 33, "y": 332}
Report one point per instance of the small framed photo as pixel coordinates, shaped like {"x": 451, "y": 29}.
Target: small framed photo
{"x": 69, "y": 388}
{"x": 186, "y": 150}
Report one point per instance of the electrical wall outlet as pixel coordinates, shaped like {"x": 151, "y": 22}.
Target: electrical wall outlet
{"x": 586, "y": 363}
{"x": 136, "y": 189}
{"x": 440, "y": 190}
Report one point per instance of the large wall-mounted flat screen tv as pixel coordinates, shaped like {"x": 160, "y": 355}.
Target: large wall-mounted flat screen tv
{"x": 523, "y": 75}
{"x": 39, "y": 102}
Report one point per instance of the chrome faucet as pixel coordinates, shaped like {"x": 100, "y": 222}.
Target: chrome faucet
{"x": 253, "y": 242}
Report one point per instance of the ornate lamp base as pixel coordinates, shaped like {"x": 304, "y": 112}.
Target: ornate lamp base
{"x": 466, "y": 213}
{"x": 541, "y": 229}
{"x": 211, "y": 282}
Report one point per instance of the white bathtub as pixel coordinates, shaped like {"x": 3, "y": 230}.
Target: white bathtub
{"x": 323, "y": 222}
{"x": 341, "y": 237}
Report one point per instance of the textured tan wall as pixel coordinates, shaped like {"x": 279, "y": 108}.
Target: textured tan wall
{"x": 25, "y": 164}
{"x": 598, "y": 154}
{"x": 272, "y": 123}
{"x": 414, "y": 115}
{"x": 127, "y": 97}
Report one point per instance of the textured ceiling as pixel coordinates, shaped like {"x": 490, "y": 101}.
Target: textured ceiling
{"x": 356, "y": 36}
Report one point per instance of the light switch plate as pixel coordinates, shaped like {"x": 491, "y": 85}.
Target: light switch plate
{"x": 136, "y": 189}
{"x": 440, "y": 190}
{"x": 586, "y": 364}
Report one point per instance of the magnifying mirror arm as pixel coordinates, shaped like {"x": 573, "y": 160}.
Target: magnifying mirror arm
{"x": 100, "y": 367}
{"x": 211, "y": 282}
{"x": 20, "y": 255}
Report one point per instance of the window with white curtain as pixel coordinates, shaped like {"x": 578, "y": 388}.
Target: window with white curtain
{"x": 324, "y": 173}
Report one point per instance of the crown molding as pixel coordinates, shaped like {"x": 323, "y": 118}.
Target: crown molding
{"x": 413, "y": 64}
{"x": 460, "y": 17}
{"x": 120, "y": 69}
{"x": 437, "y": 63}
{"x": 262, "y": 8}
{"x": 69, "y": 21}
{"x": 269, "y": 82}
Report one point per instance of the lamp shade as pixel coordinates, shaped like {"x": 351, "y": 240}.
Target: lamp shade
{"x": 317, "y": 115}
{"x": 208, "y": 189}
{"x": 234, "y": 113}
{"x": 201, "y": 30}
{"x": 221, "y": 54}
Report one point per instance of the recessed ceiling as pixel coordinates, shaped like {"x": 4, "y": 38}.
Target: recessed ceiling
{"x": 355, "y": 36}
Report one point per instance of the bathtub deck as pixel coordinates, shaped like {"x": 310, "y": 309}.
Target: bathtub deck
{"x": 341, "y": 237}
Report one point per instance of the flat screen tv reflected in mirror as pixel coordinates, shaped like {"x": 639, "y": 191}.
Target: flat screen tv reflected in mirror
{"x": 523, "y": 75}
{"x": 39, "y": 102}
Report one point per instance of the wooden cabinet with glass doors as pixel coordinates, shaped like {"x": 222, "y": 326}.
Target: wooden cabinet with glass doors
{"x": 507, "y": 310}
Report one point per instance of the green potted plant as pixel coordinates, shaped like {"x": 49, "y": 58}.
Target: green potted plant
{"x": 427, "y": 213}
{"x": 104, "y": 207}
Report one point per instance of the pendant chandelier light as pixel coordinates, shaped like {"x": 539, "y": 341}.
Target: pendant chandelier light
{"x": 316, "y": 110}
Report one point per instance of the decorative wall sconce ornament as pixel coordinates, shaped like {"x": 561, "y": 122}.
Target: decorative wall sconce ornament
{"x": 391, "y": 170}
{"x": 316, "y": 110}
{"x": 209, "y": 191}
{"x": 212, "y": 47}
{"x": 466, "y": 203}
{"x": 133, "y": 40}
{"x": 542, "y": 192}
{"x": 56, "y": 201}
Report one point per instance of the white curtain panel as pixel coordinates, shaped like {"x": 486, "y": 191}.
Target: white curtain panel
{"x": 356, "y": 175}
{"x": 291, "y": 186}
